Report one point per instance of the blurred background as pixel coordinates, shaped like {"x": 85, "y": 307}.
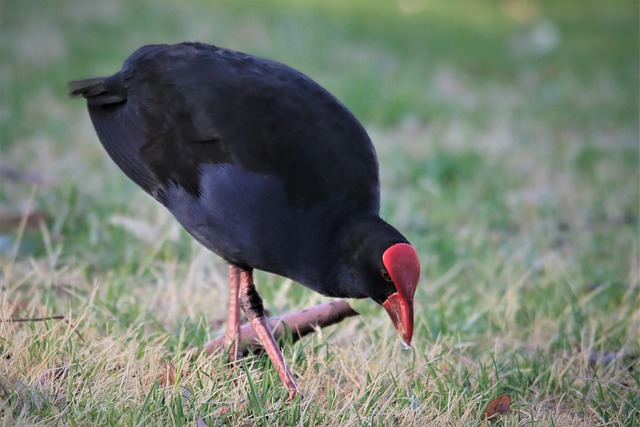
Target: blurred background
{"x": 514, "y": 115}
{"x": 507, "y": 134}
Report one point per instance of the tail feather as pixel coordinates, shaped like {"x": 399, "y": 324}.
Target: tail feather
{"x": 86, "y": 87}
{"x": 121, "y": 138}
{"x": 99, "y": 90}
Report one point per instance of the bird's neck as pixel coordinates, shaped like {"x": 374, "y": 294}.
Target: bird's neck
{"x": 356, "y": 242}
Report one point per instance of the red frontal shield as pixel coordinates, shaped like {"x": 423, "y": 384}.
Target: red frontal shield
{"x": 401, "y": 261}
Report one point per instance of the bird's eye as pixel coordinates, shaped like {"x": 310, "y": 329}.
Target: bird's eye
{"x": 385, "y": 275}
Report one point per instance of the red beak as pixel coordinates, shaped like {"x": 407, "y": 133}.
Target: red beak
{"x": 401, "y": 261}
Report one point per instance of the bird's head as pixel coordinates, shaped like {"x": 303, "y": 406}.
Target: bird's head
{"x": 401, "y": 271}
{"x": 383, "y": 266}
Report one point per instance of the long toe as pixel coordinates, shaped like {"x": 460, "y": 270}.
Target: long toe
{"x": 293, "y": 392}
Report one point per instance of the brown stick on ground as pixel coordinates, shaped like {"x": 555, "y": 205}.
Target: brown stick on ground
{"x": 300, "y": 323}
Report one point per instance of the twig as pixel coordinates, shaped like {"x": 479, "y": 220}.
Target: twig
{"x": 42, "y": 319}
{"x": 34, "y": 319}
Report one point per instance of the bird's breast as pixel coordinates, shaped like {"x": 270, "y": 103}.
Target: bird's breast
{"x": 247, "y": 219}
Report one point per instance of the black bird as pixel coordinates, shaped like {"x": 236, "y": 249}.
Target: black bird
{"x": 262, "y": 166}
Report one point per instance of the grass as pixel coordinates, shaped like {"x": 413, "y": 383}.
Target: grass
{"x": 508, "y": 141}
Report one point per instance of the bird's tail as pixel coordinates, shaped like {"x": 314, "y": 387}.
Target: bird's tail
{"x": 123, "y": 140}
{"x": 99, "y": 90}
{"x": 87, "y": 87}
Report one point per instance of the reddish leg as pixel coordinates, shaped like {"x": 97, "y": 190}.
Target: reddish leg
{"x": 231, "y": 340}
{"x": 251, "y": 304}
{"x": 232, "y": 336}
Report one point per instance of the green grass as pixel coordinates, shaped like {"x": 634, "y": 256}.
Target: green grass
{"x": 508, "y": 141}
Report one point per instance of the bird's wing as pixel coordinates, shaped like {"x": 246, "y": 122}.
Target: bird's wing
{"x": 173, "y": 108}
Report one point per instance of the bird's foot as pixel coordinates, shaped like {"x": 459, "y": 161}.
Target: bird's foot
{"x": 292, "y": 395}
{"x": 233, "y": 348}
{"x": 293, "y": 392}
{"x": 227, "y": 345}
